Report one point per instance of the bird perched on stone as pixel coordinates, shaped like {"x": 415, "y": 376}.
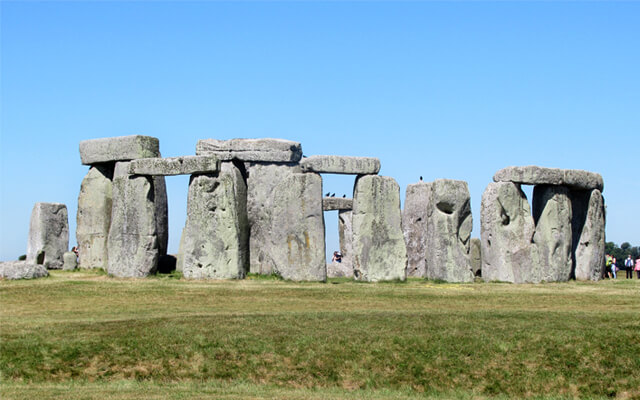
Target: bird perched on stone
{"x": 344, "y": 195}
{"x": 333, "y": 195}
{"x": 327, "y": 194}
{"x": 420, "y": 178}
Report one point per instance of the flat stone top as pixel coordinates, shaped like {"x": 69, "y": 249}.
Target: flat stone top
{"x": 336, "y": 203}
{"x": 534, "y": 175}
{"x": 259, "y": 150}
{"x": 341, "y": 165}
{"x": 120, "y": 148}
{"x": 186, "y": 165}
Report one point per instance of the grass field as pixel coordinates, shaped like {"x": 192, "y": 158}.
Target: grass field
{"x": 83, "y": 335}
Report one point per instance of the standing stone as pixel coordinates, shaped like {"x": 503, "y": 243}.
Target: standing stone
{"x": 379, "y": 251}
{"x": 48, "y": 234}
{"x": 344, "y": 268}
{"x": 296, "y": 246}
{"x": 70, "y": 261}
{"x": 475, "y": 256}
{"x": 414, "y": 226}
{"x": 214, "y": 242}
{"x": 552, "y": 239}
{"x": 162, "y": 213}
{"x": 133, "y": 237}
{"x": 449, "y": 231}
{"x": 589, "y": 234}
{"x": 507, "y": 230}
{"x": 94, "y": 217}
{"x": 264, "y": 182}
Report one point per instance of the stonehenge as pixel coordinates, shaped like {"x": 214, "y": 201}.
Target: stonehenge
{"x": 256, "y": 206}
{"x": 562, "y": 239}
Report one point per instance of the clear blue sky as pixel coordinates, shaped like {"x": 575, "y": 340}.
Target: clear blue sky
{"x": 443, "y": 90}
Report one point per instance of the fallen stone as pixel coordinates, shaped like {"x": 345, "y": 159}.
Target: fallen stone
{"x": 214, "y": 244}
{"x": 414, "y": 225}
{"x": 121, "y": 148}
{"x": 345, "y": 235}
{"x": 534, "y": 175}
{"x": 475, "y": 256}
{"x": 379, "y": 251}
{"x": 336, "y": 203}
{"x": 70, "y": 261}
{"x": 507, "y": 230}
{"x": 132, "y": 244}
{"x": 48, "y": 234}
{"x": 339, "y": 270}
{"x": 588, "y": 227}
{"x": 93, "y": 217}
{"x": 449, "y": 224}
{"x": 341, "y": 165}
{"x": 187, "y": 165}
{"x": 22, "y": 270}
{"x": 552, "y": 238}
{"x": 252, "y": 150}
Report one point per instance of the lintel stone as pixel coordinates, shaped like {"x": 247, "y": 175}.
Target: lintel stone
{"x": 120, "y": 148}
{"x": 336, "y": 203}
{"x": 254, "y": 150}
{"x": 534, "y": 175}
{"x": 186, "y": 165}
{"x": 341, "y": 165}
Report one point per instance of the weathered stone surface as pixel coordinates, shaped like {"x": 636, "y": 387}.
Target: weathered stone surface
{"x": 339, "y": 270}
{"x": 295, "y": 247}
{"x": 215, "y": 238}
{"x": 336, "y": 203}
{"x": 70, "y": 261}
{"x": 94, "y": 217}
{"x": 186, "y": 165}
{"x": 22, "y": 270}
{"x": 121, "y": 148}
{"x": 379, "y": 251}
{"x": 260, "y": 150}
{"x": 180, "y": 255}
{"x": 507, "y": 230}
{"x": 132, "y": 243}
{"x": 162, "y": 213}
{"x": 534, "y": 175}
{"x": 48, "y": 233}
{"x": 449, "y": 224}
{"x": 475, "y": 256}
{"x": 414, "y": 225}
{"x": 263, "y": 184}
{"x": 341, "y": 165}
{"x": 345, "y": 235}
{"x": 588, "y": 227}
{"x": 552, "y": 239}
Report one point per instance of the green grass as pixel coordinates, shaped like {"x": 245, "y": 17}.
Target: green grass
{"x": 87, "y": 335}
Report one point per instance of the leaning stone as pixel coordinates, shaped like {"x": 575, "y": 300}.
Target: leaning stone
{"x": 22, "y": 270}
{"x": 414, "y": 225}
{"x": 121, "y": 148}
{"x": 475, "y": 256}
{"x": 214, "y": 244}
{"x": 93, "y": 217}
{"x": 449, "y": 224}
{"x": 70, "y": 261}
{"x": 588, "y": 227}
{"x": 48, "y": 234}
{"x": 379, "y": 251}
{"x": 133, "y": 238}
{"x": 341, "y": 165}
{"x": 253, "y": 150}
{"x": 534, "y": 175}
{"x": 345, "y": 234}
{"x": 507, "y": 230}
{"x": 263, "y": 183}
{"x": 336, "y": 203}
{"x": 187, "y": 165}
{"x": 552, "y": 239}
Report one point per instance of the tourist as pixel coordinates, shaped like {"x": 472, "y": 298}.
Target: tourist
{"x": 74, "y": 249}
{"x": 638, "y": 266}
{"x": 608, "y": 261}
{"x": 628, "y": 267}
{"x": 614, "y": 268}
{"x": 337, "y": 257}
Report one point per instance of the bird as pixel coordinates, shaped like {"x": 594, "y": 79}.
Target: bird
{"x": 420, "y": 178}
{"x": 333, "y": 195}
{"x": 344, "y": 195}
{"x": 303, "y": 156}
{"x": 327, "y": 194}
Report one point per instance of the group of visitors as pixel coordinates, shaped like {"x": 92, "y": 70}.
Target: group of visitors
{"x": 629, "y": 266}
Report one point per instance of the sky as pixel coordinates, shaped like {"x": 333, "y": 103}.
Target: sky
{"x": 454, "y": 90}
